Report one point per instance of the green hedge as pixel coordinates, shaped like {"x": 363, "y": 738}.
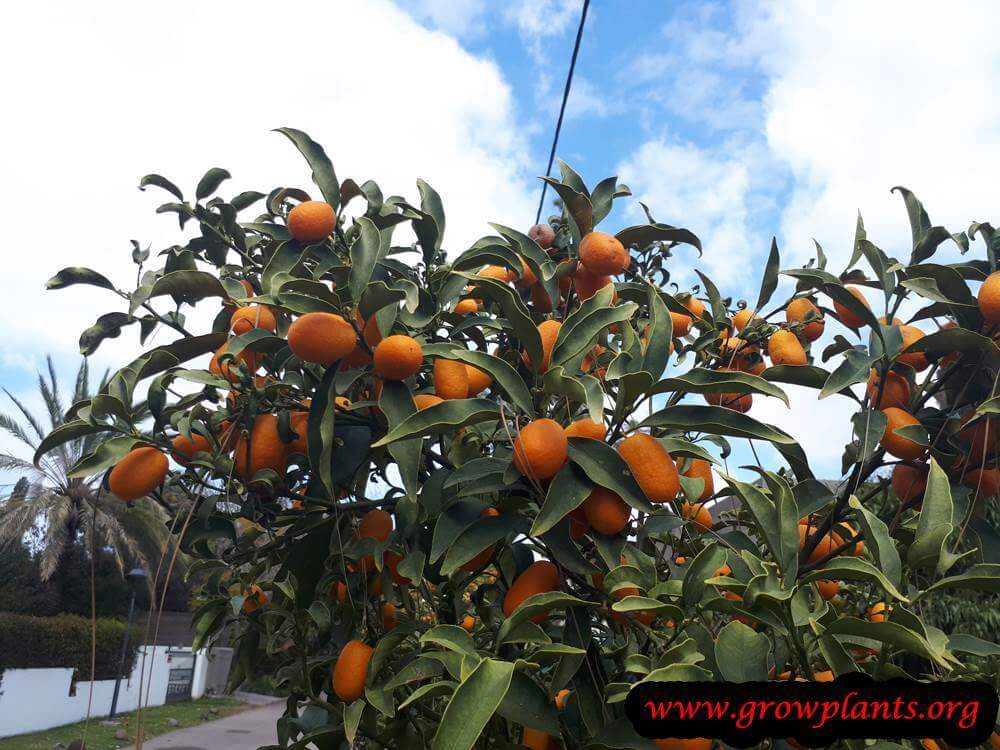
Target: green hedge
{"x": 63, "y": 641}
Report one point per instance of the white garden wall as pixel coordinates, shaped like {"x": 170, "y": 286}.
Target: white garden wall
{"x": 35, "y": 699}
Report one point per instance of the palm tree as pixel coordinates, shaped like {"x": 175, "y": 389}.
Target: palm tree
{"x": 65, "y": 511}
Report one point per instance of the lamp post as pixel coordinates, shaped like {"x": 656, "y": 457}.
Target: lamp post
{"x": 134, "y": 576}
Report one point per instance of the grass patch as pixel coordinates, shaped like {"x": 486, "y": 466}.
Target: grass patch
{"x": 155, "y": 721}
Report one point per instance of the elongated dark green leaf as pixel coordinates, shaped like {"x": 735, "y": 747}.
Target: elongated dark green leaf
{"x": 703, "y": 380}
{"x": 483, "y": 533}
{"x": 210, "y": 182}
{"x": 577, "y": 205}
{"x": 526, "y": 703}
{"x": 770, "y": 280}
{"x": 105, "y": 455}
{"x": 853, "y": 569}
{"x": 741, "y": 653}
{"x": 954, "y": 340}
{"x": 878, "y": 541}
{"x": 161, "y": 182}
{"x": 582, "y": 389}
{"x": 322, "y": 168}
{"x": 855, "y": 368}
{"x": 66, "y": 432}
{"x": 321, "y": 442}
{"x": 604, "y": 467}
{"x": 364, "y": 255}
{"x": 643, "y": 234}
{"x": 568, "y": 489}
{"x": 935, "y": 523}
{"x": 891, "y": 633}
{"x": 397, "y": 404}
{"x": 717, "y": 420}
{"x": 514, "y": 311}
{"x": 429, "y": 228}
{"x": 78, "y": 275}
{"x": 504, "y": 376}
{"x": 808, "y": 376}
{"x": 189, "y": 285}
{"x": 535, "y": 605}
{"x": 473, "y": 703}
{"x": 108, "y": 326}
{"x": 452, "y": 522}
{"x": 840, "y": 294}
{"x": 659, "y": 334}
{"x": 969, "y": 644}
{"x": 443, "y": 417}
{"x": 699, "y": 570}
{"x": 984, "y": 577}
{"x": 869, "y": 426}
{"x": 475, "y": 470}
{"x": 581, "y": 337}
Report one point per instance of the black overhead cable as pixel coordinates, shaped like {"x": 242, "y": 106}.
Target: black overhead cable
{"x": 562, "y": 109}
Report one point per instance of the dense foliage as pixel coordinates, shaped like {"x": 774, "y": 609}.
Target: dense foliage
{"x": 460, "y": 498}
{"x": 64, "y": 641}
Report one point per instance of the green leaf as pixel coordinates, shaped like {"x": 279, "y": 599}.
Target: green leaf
{"x": 659, "y": 334}
{"x": 106, "y": 455}
{"x": 66, "y": 432}
{"x": 475, "y": 700}
{"x": 935, "y": 523}
{"x": 581, "y": 327}
{"x": 108, "y": 326}
{"x": 444, "y": 417}
{"x": 606, "y": 468}
{"x": 891, "y": 633}
{"x": 190, "y": 286}
{"x": 321, "y": 441}
{"x": 481, "y": 534}
{"x": 582, "y": 389}
{"x": 451, "y": 637}
{"x": 644, "y": 234}
{"x": 161, "y": 182}
{"x": 433, "y": 690}
{"x": 808, "y": 376}
{"x": 525, "y": 703}
{"x": 569, "y": 488}
{"x": 869, "y": 426}
{"x": 504, "y": 376}
{"x": 322, "y": 169}
{"x": 577, "y": 206}
{"x": 699, "y": 570}
{"x": 878, "y": 541}
{"x": 397, "y": 404}
{"x": 853, "y": 569}
{"x": 770, "y": 280}
{"x": 717, "y": 420}
{"x": 535, "y": 605}
{"x": 365, "y": 253}
{"x": 741, "y": 653}
{"x": 969, "y": 644}
{"x": 855, "y": 368}
{"x": 210, "y": 182}
{"x": 352, "y": 719}
{"x": 983, "y": 577}
{"x": 514, "y": 311}
{"x": 954, "y": 340}
{"x": 78, "y": 275}
{"x": 703, "y": 380}
{"x": 430, "y": 228}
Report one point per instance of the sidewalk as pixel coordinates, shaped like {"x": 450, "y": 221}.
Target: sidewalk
{"x": 242, "y": 731}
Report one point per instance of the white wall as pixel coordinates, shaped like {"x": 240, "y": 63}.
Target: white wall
{"x": 35, "y": 699}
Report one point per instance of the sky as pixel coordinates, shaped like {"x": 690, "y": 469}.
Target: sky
{"x": 741, "y": 121}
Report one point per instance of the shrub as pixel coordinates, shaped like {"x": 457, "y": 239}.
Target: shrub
{"x": 481, "y": 495}
{"x": 64, "y": 641}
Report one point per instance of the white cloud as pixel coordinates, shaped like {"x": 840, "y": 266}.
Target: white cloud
{"x": 586, "y": 99}
{"x": 109, "y": 92}
{"x": 703, "y": 190}
{"x": 865, "y": 96}
{"x": 463, "y": 18}
{"x": 539, "y": 21}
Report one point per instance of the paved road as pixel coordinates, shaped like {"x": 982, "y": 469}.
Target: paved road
{"x": 243, "y": 731}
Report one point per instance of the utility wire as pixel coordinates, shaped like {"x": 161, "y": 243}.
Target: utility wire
{"x": 562, "y": 109}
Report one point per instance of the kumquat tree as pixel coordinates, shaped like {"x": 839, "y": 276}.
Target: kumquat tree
{"x": 472, "y": 498}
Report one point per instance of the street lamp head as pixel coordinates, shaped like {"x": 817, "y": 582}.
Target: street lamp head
{"x": 136, "y": 574}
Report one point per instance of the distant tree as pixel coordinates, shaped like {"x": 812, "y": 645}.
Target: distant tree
{"x": 69, "y": 507}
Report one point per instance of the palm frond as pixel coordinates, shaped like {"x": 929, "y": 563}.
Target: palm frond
{"x": 10, "y": 425}
{"x": 13, "y": 463}
{"x": 32, "y": 419}
{"x": 81, "y": 390}
{"x": 17, "y": 516}
{"x": 60, "y": 522}
{"x": 52, "y": 399}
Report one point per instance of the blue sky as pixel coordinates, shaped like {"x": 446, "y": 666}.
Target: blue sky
{"x": 738, "y": 120}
